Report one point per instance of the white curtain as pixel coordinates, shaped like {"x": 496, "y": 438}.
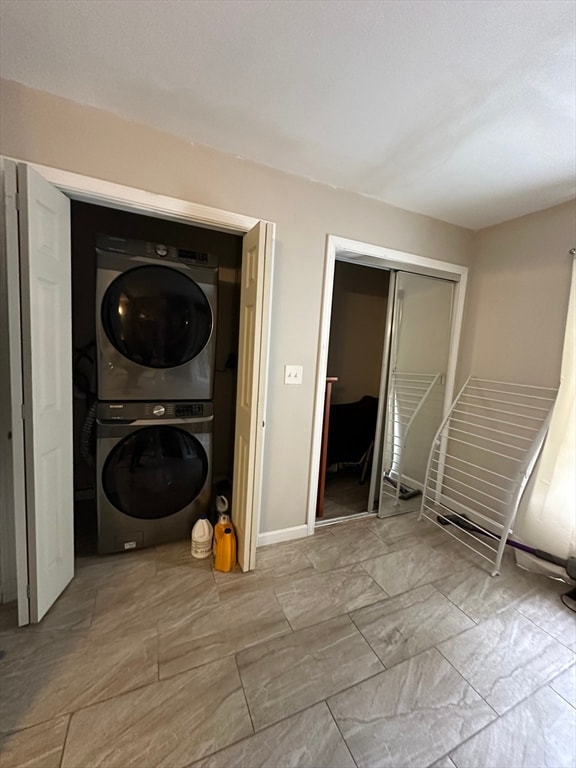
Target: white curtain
{"x": 547, "y": 515}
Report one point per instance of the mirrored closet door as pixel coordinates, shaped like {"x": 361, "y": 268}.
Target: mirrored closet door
{"x": 413, "y": 387}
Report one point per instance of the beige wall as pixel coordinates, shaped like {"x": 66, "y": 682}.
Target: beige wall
{"x": 41, "y": 128}
{"x": 357, "y": 331}
{"x": 518, "y": 298}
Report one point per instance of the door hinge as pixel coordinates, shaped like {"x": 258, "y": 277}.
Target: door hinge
{"x": 28, "y": 591}
{"x": 17, "y": 200}
{"x": 23, "y": 412}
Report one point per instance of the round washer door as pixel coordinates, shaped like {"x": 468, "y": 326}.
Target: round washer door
{"x": 155, "y": 472}
{"x": 156, "y": 316}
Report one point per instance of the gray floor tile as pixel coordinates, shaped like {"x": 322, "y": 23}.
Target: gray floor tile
{"x": 54, "y": 673}
{"x": 319, "y": 530}
{"x": 565, "y": 685}
{"x": 409, "y": 715}
{"x": 280, "y": 560}
{"x": 178, "y": 554}
{"x": 288, "y": 674}
{"x": 403, "y": 626}
{"x": 168, "y": 724}
{"x": 546, "y": 609}
{"x": 444, "y": 762}
{"x": 197, "y": 637}
{"x": 388, "y": 507}
{"x": 350, "y": 544}
{"x": 480, "y": 595}
{"x": 404, "y": 531}
{"x": 344, "y": 490}
{"x": 273, "y": 562}
{"x": 309, "y": 739}
{"x": 406, "y": 569}
{"x": 506, "y": 658}
{"x": 37, "y": 747}
{"x": 71, "y": 612}
{"x": 538, "y": 733}
{"x": 334, "y": 511}
{"x": 312, "y": 599}
{"x": 241, "y": 585}
{"x": 113, "y": 570}
{"x": 172, "y": 591}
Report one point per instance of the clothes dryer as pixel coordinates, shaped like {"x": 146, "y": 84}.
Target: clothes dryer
{"x": 155, "y": 321}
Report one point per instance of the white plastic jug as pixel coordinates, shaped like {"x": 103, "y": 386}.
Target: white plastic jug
{"x": 202, "y": 538}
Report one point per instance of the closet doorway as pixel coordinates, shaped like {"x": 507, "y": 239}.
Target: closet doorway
{"x": 390, "y": 330}
{"x": 355, "y": 348}
{"x": 35, "y": 299}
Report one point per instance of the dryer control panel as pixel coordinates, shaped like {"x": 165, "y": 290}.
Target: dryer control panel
{"x": 159, "y": 251}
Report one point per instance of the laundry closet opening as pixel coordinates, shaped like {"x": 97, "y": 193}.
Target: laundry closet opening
{"x": 154, "y": 397}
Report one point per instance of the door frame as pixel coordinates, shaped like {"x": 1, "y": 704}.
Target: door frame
{"x": 131, "y": 199}
{"x": 378, "y": 257}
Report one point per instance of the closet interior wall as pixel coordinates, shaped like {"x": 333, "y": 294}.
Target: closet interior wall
{"x": 357, "y": 326}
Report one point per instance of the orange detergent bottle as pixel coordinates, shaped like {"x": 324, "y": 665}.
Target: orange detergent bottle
{"x": 226, "y": 551}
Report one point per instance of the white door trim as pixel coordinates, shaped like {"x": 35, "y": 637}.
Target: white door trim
{"x": 100, "y": 192}
{"x": 377, "y": 256}
{"x": 121, "y": 197}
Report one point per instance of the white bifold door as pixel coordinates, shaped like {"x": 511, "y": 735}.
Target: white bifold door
{"x": 39, "y": 258}
{"x": 251, "y": 388}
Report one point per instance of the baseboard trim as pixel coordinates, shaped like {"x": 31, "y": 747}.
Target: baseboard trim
{"x": 284, "y": 534}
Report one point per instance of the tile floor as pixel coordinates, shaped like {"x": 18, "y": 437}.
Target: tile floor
{"x": 373, "y": 643}
{"x": 344, "y": 496}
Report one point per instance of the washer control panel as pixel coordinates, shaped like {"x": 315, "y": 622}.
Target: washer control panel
{"x": 134, "y": 411}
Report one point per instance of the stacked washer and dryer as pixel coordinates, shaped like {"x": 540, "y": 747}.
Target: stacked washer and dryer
{"x": 155, "y": 332}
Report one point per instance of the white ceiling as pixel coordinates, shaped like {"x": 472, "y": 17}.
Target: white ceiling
{"x": 463, "y": 110}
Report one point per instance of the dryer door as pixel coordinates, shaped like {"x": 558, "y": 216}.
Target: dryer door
{"x": 156, "y": 316}
{"x": 155, "y": 472}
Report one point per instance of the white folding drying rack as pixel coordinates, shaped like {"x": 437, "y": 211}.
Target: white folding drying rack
{"x": 481, "y": 459}
{"x": 407, "y": 394}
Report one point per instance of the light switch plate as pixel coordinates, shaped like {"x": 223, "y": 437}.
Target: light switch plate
{"x": 293, "y": 374}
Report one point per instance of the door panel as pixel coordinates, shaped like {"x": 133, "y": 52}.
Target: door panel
{"x": 47, "y": 373}
{"x": 251, "y": 389}
{"x": 420, "y": 347}
{"x": 13, "y": 537}
{"x": 375, "y": 475}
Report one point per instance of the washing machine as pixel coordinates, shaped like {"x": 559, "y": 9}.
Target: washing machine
{"x": 155, "y": 321}
{"x": 154, "y": 468}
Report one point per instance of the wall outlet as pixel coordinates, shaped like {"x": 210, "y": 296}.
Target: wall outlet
{"x": 293, "y": 374}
